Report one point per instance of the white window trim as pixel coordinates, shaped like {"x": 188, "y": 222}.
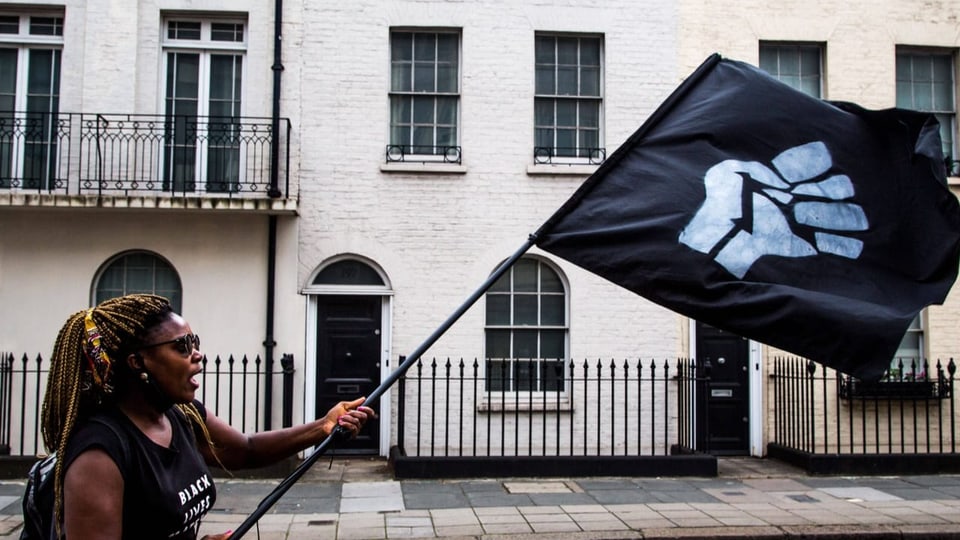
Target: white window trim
{"x": 521, "y": 400}
{"x": 954, "y": 54}
{"x": 427, "y": 162}
{"x": 24, "y": 42}
{"x": 115, "y": 258}
{"x": 24, "y": 37}
{"x": 575, "y": 165}
{"x": 811, "y": 44}
{"x": 205, "y": 47}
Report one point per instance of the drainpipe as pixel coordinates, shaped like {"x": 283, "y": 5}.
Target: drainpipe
{"x": 274, "y": 190}
{"x": 269, "y": 343}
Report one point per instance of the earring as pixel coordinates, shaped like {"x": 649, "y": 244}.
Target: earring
{"x": 144, "y": 376}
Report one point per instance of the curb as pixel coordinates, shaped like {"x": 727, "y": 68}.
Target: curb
{"x": 804, "y": 532}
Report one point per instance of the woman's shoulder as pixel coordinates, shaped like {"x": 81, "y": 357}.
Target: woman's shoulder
{"x": 102, "y": 431}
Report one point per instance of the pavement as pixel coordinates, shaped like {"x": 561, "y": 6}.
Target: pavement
{"x": 357, "y": 498}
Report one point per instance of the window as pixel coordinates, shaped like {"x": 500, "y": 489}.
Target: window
{"x": 202, "y": 89}
{"x": 907, "y": 363}
{"x": 424, "y": 96}
{"x": 926, "y": 82}
{"x": 138, "y": 272}
{"x": 798, "y": 65}
{"x": 568, "y": 101}
{"x": 348, "y": 272}
{"x": 526, "y": 330}
{"x": 30, "y": 50}
{"x": 909, "y": 377}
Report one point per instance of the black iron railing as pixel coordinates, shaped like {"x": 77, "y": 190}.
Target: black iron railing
{"x": 820, "y": 411}
{"x": 231, "y": 388}
{"x": 906, "y": 380}
{"x": 543, "y": 155}
{"x": 418, "y": 153}
{"x": 600, "y": 408}
{"x": 126, "y": 154}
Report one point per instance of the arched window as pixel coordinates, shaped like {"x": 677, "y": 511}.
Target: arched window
{"x": 138, "y": 272}
{"x": 526, "y": 329}
{"x": 348, "y": 272}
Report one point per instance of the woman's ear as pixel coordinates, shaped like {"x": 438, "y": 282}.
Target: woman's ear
{"x": 135, "y": 361}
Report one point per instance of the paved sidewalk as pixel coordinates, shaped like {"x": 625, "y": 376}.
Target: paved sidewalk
{"x": 751, "y": 498}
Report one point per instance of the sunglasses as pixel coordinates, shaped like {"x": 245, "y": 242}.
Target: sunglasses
{"x": 185, "y": 344}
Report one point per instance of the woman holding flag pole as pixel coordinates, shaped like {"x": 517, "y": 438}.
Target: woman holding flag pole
{"x": 120, "y": 413}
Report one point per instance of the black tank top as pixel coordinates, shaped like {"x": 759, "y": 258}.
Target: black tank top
{"x": 166, "y": 490}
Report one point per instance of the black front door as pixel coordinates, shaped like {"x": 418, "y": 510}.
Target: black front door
{"x": 725, "y": 399}
{"x": 348, "y": 360}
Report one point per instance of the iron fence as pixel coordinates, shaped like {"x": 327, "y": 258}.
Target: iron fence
{"x": 123, "y": 154}
{"x": 231, "y": 388}
{"x": 818, "y": 412}
{"x": 595, "y": 408}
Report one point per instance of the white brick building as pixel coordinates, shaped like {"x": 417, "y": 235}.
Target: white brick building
{"x": 406, "y": 190}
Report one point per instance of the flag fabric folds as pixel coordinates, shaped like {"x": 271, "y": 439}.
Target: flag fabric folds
{"x": 820, "y": 228}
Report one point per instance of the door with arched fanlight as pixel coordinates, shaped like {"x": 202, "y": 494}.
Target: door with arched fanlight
{"x": 349, "y": 301}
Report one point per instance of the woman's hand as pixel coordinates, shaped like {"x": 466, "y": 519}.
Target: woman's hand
{"x": 223, "y": 536}
{"x": 236, "y": 450}
{"x": 349, "y": 415}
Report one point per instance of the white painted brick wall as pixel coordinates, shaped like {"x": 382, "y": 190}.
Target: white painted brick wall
{"x": 438, "y": 236}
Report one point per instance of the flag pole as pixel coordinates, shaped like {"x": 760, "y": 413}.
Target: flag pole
{"x": 385, "y": 385}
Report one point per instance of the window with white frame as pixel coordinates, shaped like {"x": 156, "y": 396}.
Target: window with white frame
{"x": 138, "y": 272}
{"x": 526, "y": 330}
{"x": 907, "y": 363}
{"x": 799, "y": 65}
{"x": 31, "y": 45}
{"x": 203, "y": 82}
{"x": 568, "y": 101}
{"x": 424, "y": 96}
{"x": 926, "y": 81}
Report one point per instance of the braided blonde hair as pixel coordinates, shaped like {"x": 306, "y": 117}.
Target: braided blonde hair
{"x": 79, "y": 383}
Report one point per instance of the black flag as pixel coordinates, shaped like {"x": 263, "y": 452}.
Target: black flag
{"x": 816, "y": 227}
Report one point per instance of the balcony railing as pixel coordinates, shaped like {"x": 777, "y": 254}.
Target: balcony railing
{"x": 404, "y": 153}
{"x": 127, "y": 154}
{"x": 545, "y": 155}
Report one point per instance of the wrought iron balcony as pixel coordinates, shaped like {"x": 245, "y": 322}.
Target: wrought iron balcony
{"x": 545, "y": 155}
{"x": 137, "y": 154}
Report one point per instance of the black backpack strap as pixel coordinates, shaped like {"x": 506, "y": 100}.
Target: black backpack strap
{"x": 39, "y": 490}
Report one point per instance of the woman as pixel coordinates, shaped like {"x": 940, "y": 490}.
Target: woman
{"x": 120, "y": 410}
